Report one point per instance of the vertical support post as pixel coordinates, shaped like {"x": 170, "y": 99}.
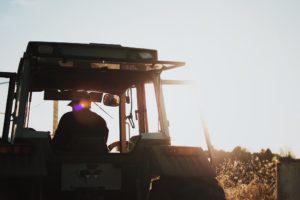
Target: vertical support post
{"x": 22, "y": 98}
{"x": 55, "y": 117}
{"x": 9, "y": 103}
{"x": 161, "y": 105}
{"x": 122, "y": 115}
{"x": 142, "y": 112}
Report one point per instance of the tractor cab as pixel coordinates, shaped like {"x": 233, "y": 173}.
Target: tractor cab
{"x": 116, "y": 79}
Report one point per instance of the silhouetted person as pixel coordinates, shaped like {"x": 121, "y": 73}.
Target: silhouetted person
{"x": 81, "y": 130}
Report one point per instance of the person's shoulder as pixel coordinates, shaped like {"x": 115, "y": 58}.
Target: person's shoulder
{"x": 96, "y": 115}
{"x": 67, "y": 114}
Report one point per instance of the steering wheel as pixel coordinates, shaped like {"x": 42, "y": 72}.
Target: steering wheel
{"x": 117, "y": 145}
{"x": 129, "y": 144}
{"x": 114, "y": 145}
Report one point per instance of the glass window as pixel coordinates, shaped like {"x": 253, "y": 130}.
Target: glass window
{"x": 182, "y": 107}
{"x": 152, "y": 113}
{"x": 132, "y": 124}
{"x": 41, "y": 115}
{"x": 111, "y": 116}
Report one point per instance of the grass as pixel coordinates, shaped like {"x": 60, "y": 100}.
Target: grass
{"x": 250, "y": 179}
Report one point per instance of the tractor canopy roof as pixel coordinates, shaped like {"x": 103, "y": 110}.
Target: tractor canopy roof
{"x": 99, "y": 67}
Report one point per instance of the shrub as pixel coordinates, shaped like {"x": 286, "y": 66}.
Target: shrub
{"x": 254, "y": 178}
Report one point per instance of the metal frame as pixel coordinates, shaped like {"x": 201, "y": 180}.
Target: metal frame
{"x": 142, "y": 108}
{"x": 122, "y": 123}
{"x": 9, "y": 103}
{"x": 161, "y": 105}
{"x": 23, "y": 90}
{"x": 60, "y": 50}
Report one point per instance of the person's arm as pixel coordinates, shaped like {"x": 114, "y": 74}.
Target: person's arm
{"x": 101, "y": 126}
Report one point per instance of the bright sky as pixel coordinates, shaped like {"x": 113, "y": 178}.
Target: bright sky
{"x": 243, "y": 54}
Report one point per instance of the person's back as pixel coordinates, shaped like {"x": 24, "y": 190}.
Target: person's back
{"x": 81, "y": 131}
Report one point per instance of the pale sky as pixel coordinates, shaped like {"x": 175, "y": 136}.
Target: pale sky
{"x": 244, "y": 55}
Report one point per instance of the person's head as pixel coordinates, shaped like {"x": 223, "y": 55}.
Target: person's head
{"x": 79, "y": 104}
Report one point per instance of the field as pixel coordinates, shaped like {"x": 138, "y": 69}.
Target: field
{"x": 247, "y": 176}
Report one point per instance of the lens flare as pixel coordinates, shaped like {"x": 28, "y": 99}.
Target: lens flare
{"x": 78, "y": 107}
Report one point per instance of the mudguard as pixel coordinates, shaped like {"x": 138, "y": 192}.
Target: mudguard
{"x": 177, "y": 161}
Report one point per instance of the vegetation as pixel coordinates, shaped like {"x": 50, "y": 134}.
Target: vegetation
{"x": 247, "y": 176}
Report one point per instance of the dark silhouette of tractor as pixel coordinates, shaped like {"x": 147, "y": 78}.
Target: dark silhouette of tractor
{"x": 140, "y": 164}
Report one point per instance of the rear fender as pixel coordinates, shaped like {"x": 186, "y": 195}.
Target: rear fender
{"x": 177, "y": 161}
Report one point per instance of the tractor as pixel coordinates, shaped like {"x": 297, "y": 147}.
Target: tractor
{"x": 125, "y": 84}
